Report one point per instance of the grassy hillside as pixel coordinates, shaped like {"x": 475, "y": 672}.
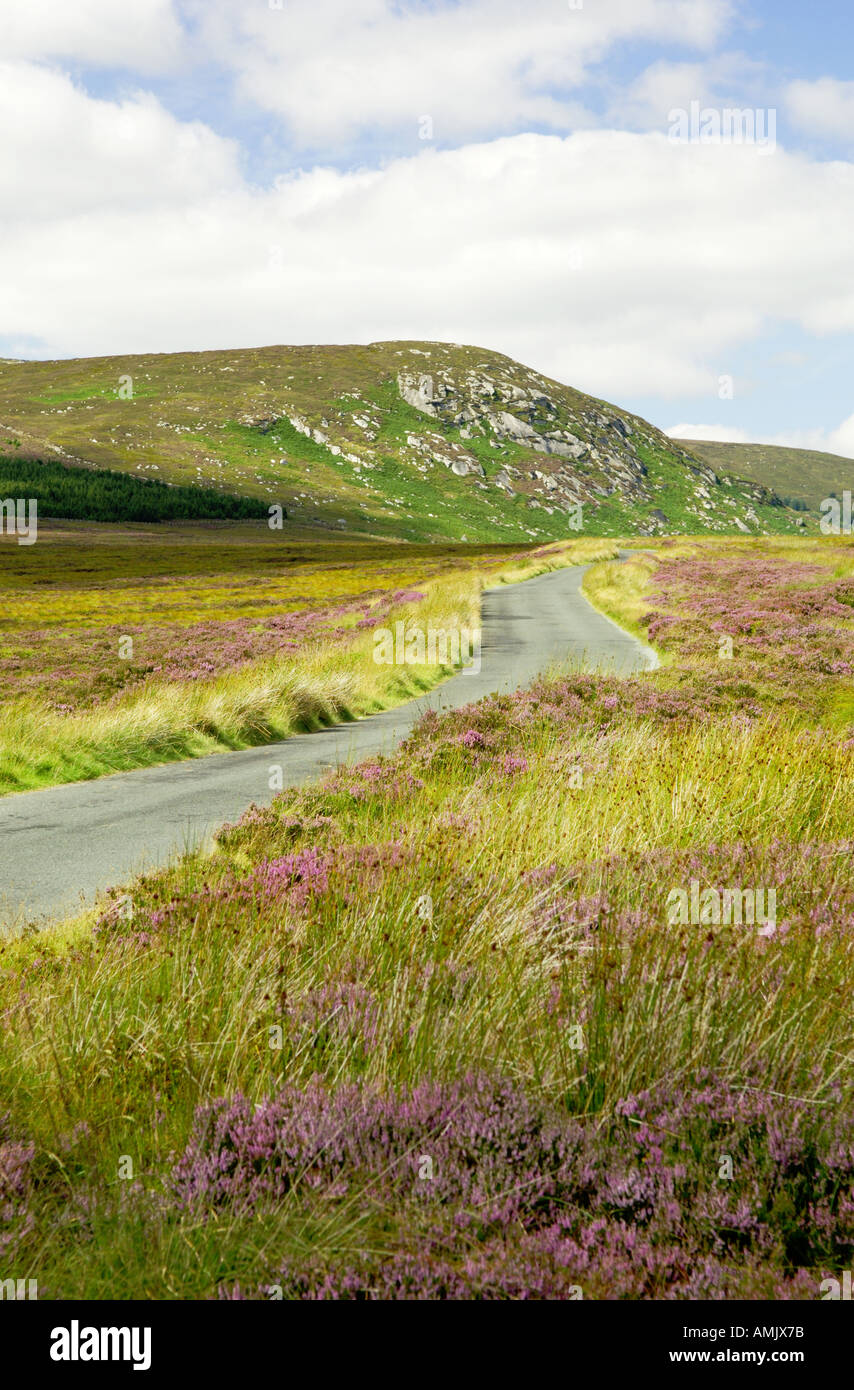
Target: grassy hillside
{"x": 420, "y": 441}
{"x": 796, "y": 474}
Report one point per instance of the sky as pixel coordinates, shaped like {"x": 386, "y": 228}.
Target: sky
{"x": 559, "y": 180}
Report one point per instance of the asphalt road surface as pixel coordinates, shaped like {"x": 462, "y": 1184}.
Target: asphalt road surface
{"x": 61, "y": 845}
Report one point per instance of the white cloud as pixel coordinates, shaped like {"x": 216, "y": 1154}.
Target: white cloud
{"x": 824, "y": 107}
{"x": 144, "y": 34}
{"x": 342, "y": 67}
{"x": 64, "y": 153}
{"x": 838, "y": 441}
{"x": 841, "y": 440}
{"x": 722, "y": 80}
{"x": 620, "y": 263}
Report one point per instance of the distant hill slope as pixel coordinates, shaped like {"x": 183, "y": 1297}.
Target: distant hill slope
{"x": 805, "y": 474}
{"x": 415, "y": 440}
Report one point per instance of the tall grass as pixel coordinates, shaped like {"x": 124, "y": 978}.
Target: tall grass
{"x": 326, "y": 682}
{"x": 490, "y": 901}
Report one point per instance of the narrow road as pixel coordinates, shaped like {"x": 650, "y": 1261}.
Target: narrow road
{"x": 63, "y": 844}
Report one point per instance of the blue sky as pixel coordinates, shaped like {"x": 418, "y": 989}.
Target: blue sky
{"x": 189, "y": 174}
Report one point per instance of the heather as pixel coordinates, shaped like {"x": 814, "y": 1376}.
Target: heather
{"x": 494, "y": 1194}
{"x": 195, "y": 601}
{"x": 105, "y": 666}
{"x": 789, "y": 624}
{"x": 15, "y": 1182}
{"x": 428, "y": 1029}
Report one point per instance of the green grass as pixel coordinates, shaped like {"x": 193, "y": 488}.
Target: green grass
{"x": 619, "y": 588}
{"x": 112, "y": 1040}
{"x": 106, "y": 391}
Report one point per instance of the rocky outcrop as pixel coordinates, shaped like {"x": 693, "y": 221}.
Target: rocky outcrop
{"x": 596, "y": 452}
{"x": 507, "y": 429}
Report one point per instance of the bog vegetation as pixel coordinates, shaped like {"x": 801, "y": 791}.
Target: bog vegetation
{"x": 426, "y": 1030}
{"x": 119, "y": 649}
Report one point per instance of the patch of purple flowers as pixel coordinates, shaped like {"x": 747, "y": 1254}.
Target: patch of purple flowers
{"x": 16, "y": 1219}
{"x": 488, "y": 1192}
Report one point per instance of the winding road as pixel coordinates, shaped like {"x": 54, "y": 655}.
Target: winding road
{"x": 61, "y": 845}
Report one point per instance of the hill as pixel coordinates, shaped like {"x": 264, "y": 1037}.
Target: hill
{"x": 799, "y": 475}
{"x": 421, "y": 441}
